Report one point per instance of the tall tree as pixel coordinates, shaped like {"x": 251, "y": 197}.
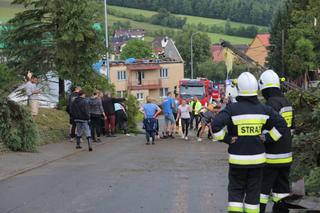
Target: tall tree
{"x": 278, "y": 38}
{"x": 136, "y": 49}
{"x": 298, "y": 22}
{"x": 55, "y": 35}
{"x": 201, "y": 48}
{"x": 302, "y": 37}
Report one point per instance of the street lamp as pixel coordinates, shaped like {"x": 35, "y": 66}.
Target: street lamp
{"x": 191, "y": 50}
{"x": 107, "y": 37}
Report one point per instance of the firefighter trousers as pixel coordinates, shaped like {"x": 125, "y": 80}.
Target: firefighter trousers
{"x": 244, "y": 189}
{"x": 275, "y": 183}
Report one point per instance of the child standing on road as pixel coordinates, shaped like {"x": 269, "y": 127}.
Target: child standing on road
{"x": 81, "y": 115}
{"x": 184, "y": 113}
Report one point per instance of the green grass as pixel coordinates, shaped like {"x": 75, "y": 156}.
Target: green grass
{"x": 190, "y": 19}
{"x": 134, "y": 24}
{"x": 53, "y": 126}
{"x": 148, "y": 38}
{"x": 215, "y": 38}
{"x": 7, "y": 11}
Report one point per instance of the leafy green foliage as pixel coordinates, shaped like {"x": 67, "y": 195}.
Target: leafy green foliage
{"x": 306, "y": 154}
{"x": 8, "y": 80}
{"x": 279, "y": 29}
{"x": 316, "y": 114}
{"x": 211, "y": 71}
{"x": 132, "y": 112}
{"x": 165, "y": 18}
{"x": 56, "y": 35}
{"x": 297, "y": 20}
{"x": 201, "y": 47}
{"x": 306, "y": 142}
{"x": 136, "y": 49}
{"x": 313, "y": 182}
{"x": 302, "y": 58}
{"x": 17, "y": 131}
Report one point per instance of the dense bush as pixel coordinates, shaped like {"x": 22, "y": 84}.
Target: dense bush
{"x": 17, "y": 131}
{"x": 132, "y": 111}
{"x": 165, "y": 18}
{"x": 306, "y": 142}
{"x": 313, "y": 182}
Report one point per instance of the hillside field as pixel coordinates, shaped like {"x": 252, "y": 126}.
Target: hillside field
{"x": 190, "y": 19}
{"x": 8, "y": 11}
{"x": 215, "y": 38}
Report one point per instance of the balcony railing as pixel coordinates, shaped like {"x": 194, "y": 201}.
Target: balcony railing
{"x": 144, "y": 84}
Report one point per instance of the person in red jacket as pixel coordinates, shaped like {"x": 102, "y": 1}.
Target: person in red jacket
{"x": 110, "y": 119}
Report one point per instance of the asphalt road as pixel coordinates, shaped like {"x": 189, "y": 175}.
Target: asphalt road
{"x": 125, "y": 176}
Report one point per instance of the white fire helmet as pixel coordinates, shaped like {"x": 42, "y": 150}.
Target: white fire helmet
{"x": 247, "y": 85}
{"x": 268, "y": 79}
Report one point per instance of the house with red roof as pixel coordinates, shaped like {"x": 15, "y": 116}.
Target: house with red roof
{"x": 258, "y": 49}
{"x": 218, "y": 53}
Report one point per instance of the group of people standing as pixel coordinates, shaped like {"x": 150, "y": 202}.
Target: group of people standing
{"x": 192, "y": 115}
{"x": 95, "y": 116}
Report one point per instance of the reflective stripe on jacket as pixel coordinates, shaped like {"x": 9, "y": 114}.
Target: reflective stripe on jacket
{"x": 246, "y": 121}
{"x": 280, "y": 154}
{"x": 198, "y": 107}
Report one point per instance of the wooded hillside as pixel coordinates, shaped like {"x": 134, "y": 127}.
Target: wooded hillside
{"x": 248, "y": 11}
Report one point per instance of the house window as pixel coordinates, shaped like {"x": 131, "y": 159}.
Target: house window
{"x": 164, "y": 73}
{"x": 122, "y": 75}
{"x": 122, "y": 94}
{"x": 140, "y": 96}
{"x": 164, "y": 92}
{"x": 140, "y": 77}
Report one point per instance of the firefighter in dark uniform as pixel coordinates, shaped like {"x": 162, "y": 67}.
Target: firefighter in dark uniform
{"x": 241, "y": 125}
{"x": 278, "y": 155}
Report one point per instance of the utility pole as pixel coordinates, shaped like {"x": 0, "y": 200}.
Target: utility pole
{"x": 282, "y": 53}
{"x": 107, "y": 37}
{"x": 191, "y": 52}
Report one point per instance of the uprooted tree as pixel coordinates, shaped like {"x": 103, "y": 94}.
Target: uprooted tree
{"x": 306, "y": 142}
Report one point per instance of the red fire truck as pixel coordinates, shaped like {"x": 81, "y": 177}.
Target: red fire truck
{"x": 202, "y": 88}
